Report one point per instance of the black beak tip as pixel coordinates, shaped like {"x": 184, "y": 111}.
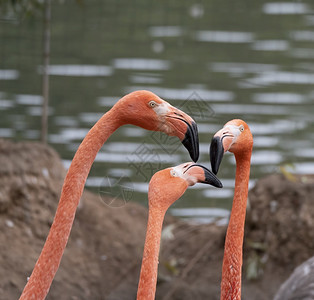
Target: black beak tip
{"x": 216, "y": 153}
{"x": 191, "y": 142}
{"x": 212, "y": 179}
{"x": 215, "y": 169}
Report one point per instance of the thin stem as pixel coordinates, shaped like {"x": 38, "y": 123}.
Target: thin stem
{"x": 45, "y": 79}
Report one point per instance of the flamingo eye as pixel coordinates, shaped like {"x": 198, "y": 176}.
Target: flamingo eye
{"x": 173, "y": 173}
{"x": 241, "y": 128}
{"x": 152, "y": 104}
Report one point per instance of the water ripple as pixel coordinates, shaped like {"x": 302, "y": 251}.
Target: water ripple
{"x": 24, "y": 99}
{"x": 165, "y": 31}
{"x": 282, "y": 98}
{"x": 270, "y": 45}
{"x": 135, "y": 158}
{"x": 185, "y": 94}
{"x": 9, "y": 74}
{"x": 224, "y": 36}
{"x": 302, "y": 53}
{"x": 303, "y": 168}
{"x": 269, "y": 78}
{"x": 200, "y": 212}
{"x": 78, "y": 70}
{"x": 266, "y": 158}
{"x": 5, "y": 104}
{"x": 241, "y": 68}
{"x": 302, "y": 35}
{"x": 7, "y": 132}
{"x": 107, "y": 101}
{"x": 145, "y": 79}
{"x": 202, "y": 215}
{"x": 250, "y": 109}
{"x": 285, "y": 8}
{"x": 277, "y": 127}
{"x": 141, "y": 64}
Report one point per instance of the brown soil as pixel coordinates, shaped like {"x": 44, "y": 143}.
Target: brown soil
{"x": 102, "y": 259}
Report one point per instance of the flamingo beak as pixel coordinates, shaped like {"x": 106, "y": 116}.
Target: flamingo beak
{"x": 216, "y": 153}
{"x": 220, "y": 143}
{"x": 190, "y": 140}
{"x": 202, "y": 175}
{"x": 186, "y": 131}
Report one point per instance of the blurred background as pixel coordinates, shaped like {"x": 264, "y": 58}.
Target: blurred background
{"x": 216, "y": 60}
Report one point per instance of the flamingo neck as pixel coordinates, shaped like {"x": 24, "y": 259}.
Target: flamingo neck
{"x": 148, "y": 277}
{"x": 48, "y": 262}
{"x": 232, "y": 261}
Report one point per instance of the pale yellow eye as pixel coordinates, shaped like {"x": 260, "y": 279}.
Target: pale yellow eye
{"x": 152, "y": 104}
{"x": 241, "y": 128}
{"x": 173, "y": 173}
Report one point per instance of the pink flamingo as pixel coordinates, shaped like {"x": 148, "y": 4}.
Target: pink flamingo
{"x": 237, "y": 138}
{"x": 140, "y": 108}
{"x": 165, "y": 188}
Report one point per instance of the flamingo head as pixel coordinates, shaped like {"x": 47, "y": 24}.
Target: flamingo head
{"x": 147, "y": 110}
{"x": 235, "y": 137}
{"x": 168, "y": 185}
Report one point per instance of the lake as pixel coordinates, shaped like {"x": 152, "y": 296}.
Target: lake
{"x": 217, "y": 61}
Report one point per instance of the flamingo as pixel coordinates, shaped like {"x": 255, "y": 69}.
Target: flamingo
{"x": 139, "y": 108}
{"x": 165, "y": 187}
{"x": 299, "y": 285}
{"x": 237, "y": 138}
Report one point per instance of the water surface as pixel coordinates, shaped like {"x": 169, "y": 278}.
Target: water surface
{"x": 251, "y": 60}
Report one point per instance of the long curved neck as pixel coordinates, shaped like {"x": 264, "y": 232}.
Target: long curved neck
{"x": 232, "y": 261}
{"x": 148, "y": 278}
{"x": 50, "y": 257}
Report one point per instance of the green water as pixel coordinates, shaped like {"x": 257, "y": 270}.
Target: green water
{"x": 217, "y": 60}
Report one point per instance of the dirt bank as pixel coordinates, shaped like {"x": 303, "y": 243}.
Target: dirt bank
{"x": 103, "y": 256}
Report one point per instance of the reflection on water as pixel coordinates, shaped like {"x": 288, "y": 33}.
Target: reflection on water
{"x": 107, "y": 101}
{"x": 78, "y": 70}
{"x": 266, "y": 158}
{"x": 224, "y": 36}
{"x": 9, "y": 74}
{"x": 269, "y": 78}
{"x": 279, "y": 98}
{"x": 5, "y": 104}
{"x": 302, "y": 53}
{"x": 134, "y": 158}
{"x": 70, "y": 134}
{"x": 145, "y": 78}
{"x": 251, "y": 109}
{"x": 181, "y": 94}
{"x": 285, "y": 8}
{"x": 254, "y": 63}
{"x": 6, "y": 132}
{"x": 241, "y": 68}
{"x": 29, "y": 99}
{"x": 270, "y": 45}
{"x": 37, "y": 111}
{"x": 302, "y": 35}
{"x": 165, "y": 31}
{"x": 203, "y": 215}
{"x": 140, "y": 64}
{"x": 277, "y": 127}
{"x": 303, "y": 168}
